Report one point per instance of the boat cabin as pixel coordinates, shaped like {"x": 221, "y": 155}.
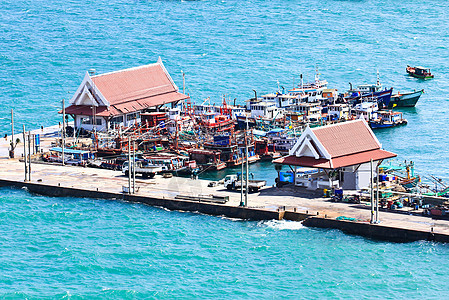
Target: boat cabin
{"x": 206, "y": 109}
{"x": 311, "y": 91}
{"x": 338, "y": 111}
{"x": 310, "y": 111}
{"x": 366, "y": 110}
{"x": 421, "y": 71}
{"x": 279, "y": 99}
{"x": 153, "y": 118}
{"x": 330, "y": 95}
{"x": 265, "y": 110}
{"x": 71, "y": 156}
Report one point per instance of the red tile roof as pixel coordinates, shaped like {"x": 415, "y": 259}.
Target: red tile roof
{"x": 139, "y": 83}
{"x": 346, "y": 138}
{"x": 101, "y": 111}
{"x": 132, "y": 90}
{"x": 303, "y": 161}
{"x": 349, "y": 143}
{"x": 335, "y": 163}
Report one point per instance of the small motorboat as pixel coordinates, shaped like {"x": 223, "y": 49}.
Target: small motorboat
{"x": 419, "y": 72}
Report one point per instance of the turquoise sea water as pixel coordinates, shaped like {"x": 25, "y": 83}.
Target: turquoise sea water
{"x": 62, "y": 247}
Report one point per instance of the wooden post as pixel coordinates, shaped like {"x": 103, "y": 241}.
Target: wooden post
{"x": 25, "y": 153}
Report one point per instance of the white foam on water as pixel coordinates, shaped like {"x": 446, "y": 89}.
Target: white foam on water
{"x": 282, "y": 224}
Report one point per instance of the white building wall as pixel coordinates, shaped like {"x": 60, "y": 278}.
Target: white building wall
{"x": 364, "y": 175}
{"x": 98, "y": 127}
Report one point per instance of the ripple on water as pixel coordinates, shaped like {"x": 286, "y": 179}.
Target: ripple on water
{"x": 68, "y": 248}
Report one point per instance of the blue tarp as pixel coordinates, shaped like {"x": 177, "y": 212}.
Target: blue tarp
{"x": 276, "y": 130}
{"x": 78, "y": 154}
{"x": 286, "y": 176}
{"x": 259, "y": 132}
{"x": 69, "y": 151}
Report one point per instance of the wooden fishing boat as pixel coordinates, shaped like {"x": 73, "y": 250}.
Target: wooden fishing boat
{"x": 207, "y": 159}
{"x": 419, "y": 72}
{"x": 213, "y": 122}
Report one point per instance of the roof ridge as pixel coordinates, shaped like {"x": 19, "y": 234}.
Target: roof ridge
{"x": 127, "y": 70}
{"x": 337, "y": 124}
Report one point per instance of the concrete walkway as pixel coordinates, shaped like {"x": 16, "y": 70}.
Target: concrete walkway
{"x": 269, "y": 198}
{"x": 289, "y": 198}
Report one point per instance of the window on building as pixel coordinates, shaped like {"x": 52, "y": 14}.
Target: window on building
{"x": 116, "y": 120}
{"x": 86, "y": 120}
{"x": 89, "y": 121}
{"x": 131, "y": 117}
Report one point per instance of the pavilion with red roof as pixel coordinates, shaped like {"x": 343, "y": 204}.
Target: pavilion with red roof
{"x": 342, "y": 151}
{"x": 119, "y": 97}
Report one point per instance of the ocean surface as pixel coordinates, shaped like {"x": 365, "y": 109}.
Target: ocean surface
{"x": 84, "y": 248}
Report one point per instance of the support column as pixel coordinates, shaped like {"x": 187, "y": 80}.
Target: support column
{"x": 25, "y": 153}
{"x": 12, "y": 134}
{"x": 134, "y": 167}
{"x": 247, "y": 167}
{"x": 63, "y": 131}
{"x": 377, "y": 193}
{"x": 129, "y": 165}
{"x": 29, "y": 155}
{"x": 241, "y": 183}
{"x": 371, "y": 193}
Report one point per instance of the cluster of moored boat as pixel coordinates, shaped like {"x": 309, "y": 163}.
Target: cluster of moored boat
{"x": 189, "y": 138}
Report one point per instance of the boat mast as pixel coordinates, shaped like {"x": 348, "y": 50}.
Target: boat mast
{"x": 378, "y": 78}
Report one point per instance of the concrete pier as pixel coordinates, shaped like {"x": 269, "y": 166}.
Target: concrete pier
{"x": 289, "y": 203}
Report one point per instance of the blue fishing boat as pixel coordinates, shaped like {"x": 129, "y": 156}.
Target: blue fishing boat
{"x": 370, "y": 91}
{"x": 387, "y": 119}
{"x": 382, "y": 97}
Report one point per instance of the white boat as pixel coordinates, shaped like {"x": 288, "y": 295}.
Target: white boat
{"x": 311, "y": 91}
{"x": 366, "y": 110}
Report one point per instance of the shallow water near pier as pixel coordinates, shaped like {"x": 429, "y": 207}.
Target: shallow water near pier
{"x": 68, "y": 247}
{"x": 84, "y": 247}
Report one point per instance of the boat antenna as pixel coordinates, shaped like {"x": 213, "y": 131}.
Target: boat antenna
{"x": 302, "y": 82}
{"x": 378, "y": 78}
